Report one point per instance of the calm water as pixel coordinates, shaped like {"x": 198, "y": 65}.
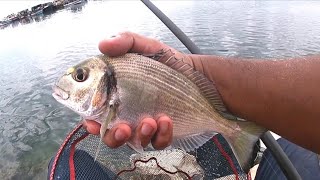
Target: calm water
{"x": 32, "y": 56}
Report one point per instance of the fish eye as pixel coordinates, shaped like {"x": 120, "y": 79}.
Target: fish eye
{"x": 80, "y": 74}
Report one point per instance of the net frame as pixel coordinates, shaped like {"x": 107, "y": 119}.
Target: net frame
{"x": 65, "y": 164}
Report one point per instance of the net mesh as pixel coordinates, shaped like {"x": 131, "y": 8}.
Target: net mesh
{"x": 75, "y": 160}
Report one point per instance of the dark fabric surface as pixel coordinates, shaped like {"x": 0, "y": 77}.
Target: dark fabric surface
{"x": 305, "y": 161}
{"x": 85, "y": 167}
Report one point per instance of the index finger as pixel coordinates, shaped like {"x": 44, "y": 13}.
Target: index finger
{"x": 130, "y": 42}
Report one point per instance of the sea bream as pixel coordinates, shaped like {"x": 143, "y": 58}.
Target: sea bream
{"x": 123, "y": 89}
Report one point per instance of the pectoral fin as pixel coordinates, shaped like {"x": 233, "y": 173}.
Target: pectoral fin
{"x": 104, "y": 126}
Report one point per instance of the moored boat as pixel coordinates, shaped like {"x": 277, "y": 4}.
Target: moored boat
{"x": 4, "y": 24}
{"x": 12, "y": 18}
{"x": 37, "y": 10}
{"x": 75, "y": 4}
{"x": 48, "y": 8}
{"x": 24, "y": 14}
{"x": 59, "y": 4}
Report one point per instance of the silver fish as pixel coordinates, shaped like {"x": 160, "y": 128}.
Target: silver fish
{"x": 112, "y": 90}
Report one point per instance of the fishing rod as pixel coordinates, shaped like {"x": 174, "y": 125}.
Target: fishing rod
{"x": 280, "y": 156}
{"x": 173, "y": 28}
{"x": 282, "y": 159}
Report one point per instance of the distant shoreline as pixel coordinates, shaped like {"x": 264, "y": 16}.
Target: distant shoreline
{"x": 35, "y": 12}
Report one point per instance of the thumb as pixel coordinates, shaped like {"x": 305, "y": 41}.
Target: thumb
{"x": 130, "y": 42}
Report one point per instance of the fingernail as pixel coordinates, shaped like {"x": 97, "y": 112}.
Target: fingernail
{"x": 119, "y": 135}
{"x": 146, "y": 129}
{"x": 164, "y": 126}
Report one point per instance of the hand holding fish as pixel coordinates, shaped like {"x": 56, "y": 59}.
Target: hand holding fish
{"x": 251, "y": 88}
{"x": 158, "y": 129}
{"x": 125, "y": 92}
{"x": 202, "y": 94}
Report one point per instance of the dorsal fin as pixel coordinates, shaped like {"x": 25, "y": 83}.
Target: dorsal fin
{"x": 206, "y": 86}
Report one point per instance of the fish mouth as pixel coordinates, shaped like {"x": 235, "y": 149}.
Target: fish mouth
{"x": 59, "y": 93}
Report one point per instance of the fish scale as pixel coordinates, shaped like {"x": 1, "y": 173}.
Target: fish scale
{"x": 165, "y": 106}
{"x": 157, "y": 79}
{"x": 129, "y": 87}
{"x": 161, "y": 76}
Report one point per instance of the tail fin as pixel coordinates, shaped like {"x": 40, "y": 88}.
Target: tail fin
{"x": 242, "y": 143}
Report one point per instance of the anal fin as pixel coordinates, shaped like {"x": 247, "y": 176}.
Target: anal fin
{"x": 192, "y": 142}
